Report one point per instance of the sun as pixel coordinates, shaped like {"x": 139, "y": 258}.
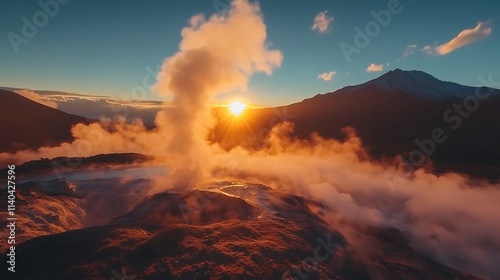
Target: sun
{"x": 237, "y": 108}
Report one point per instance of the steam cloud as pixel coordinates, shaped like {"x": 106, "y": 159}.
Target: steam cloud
{"x": 216, "y": 55}
{"x": 448, "y": 217}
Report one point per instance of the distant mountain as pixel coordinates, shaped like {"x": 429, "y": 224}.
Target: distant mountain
{"x": 421, "y": 84}
{"x": 100, "y": 106}
{"x": 389, "y": 113}
{"x": 26, "y": 124}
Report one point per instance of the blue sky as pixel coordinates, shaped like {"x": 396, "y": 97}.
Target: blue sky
{"x": 104, "y": 47}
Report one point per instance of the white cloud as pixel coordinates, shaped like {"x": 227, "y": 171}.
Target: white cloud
{"x": 36, "y": 97}
{"x": 375, "y": 67}
{"x": 428, "y": 49}
{"x": 327, "y": 76}
{"x": 322, "y": 22}
{"x": 410, "y": 49}
{"x": 463, "y": 38}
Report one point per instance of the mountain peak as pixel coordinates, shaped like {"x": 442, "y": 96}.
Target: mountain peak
{"x": 398, "y": 74}
{"x": 420, "y": 84}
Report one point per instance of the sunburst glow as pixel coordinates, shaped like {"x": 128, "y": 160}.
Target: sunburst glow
{"x": 237, "y": 108}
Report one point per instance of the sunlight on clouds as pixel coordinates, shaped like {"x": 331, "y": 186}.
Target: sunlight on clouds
{"x": 327, "y": 76}
{"x": 375, "y": 67}
{"x": 463, "y": 38}
{"x": 36, "y": 97}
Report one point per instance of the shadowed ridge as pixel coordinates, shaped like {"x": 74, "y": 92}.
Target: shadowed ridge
{"x": 30, "y": 125}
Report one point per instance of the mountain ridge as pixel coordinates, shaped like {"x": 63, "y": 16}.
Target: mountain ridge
{"x": 27, "y": 124}
{"x": 393, "y": 80}
{"x": 388, "y": 119}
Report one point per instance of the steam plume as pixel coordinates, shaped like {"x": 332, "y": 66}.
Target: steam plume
{"x": 216, "y": 55}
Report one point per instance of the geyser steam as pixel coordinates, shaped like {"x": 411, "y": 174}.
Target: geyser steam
{"x": 216, "y": 55}
{"x": 449, "y": 217}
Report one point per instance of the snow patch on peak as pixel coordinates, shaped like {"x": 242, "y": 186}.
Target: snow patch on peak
{"x": 421, "y": 84}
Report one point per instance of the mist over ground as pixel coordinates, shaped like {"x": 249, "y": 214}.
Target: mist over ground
{"x": 450, "y": 217}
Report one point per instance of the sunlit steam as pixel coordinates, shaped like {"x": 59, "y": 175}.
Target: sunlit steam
{"x": 448, "y": 217}
{"x": 216, "y": 55}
